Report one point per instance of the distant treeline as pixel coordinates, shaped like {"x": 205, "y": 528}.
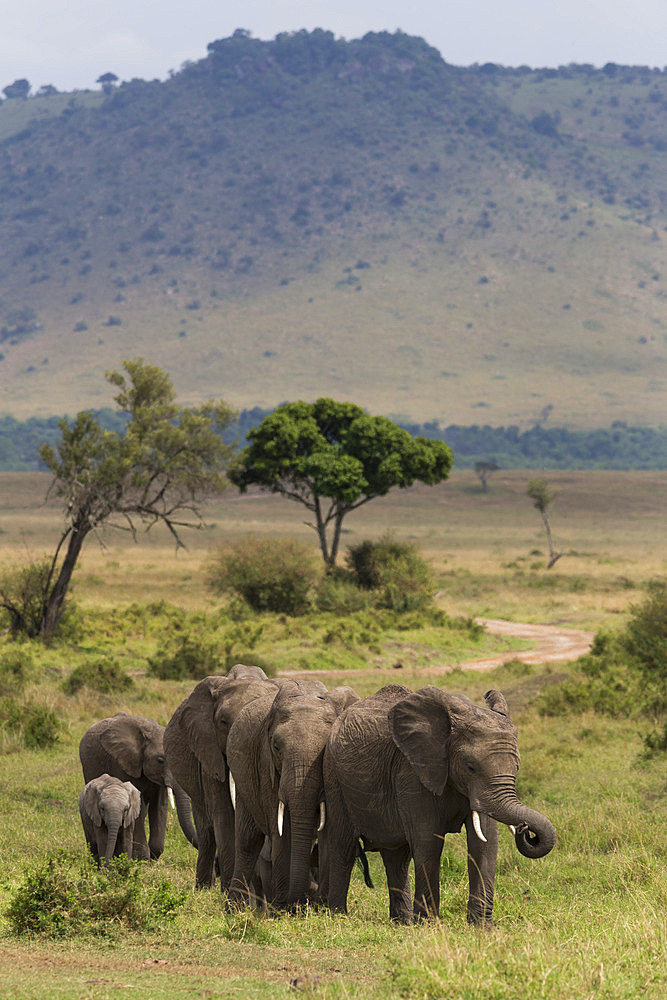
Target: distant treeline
{"x": 617, "y": 447}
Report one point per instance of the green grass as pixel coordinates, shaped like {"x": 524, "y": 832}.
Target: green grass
{"x": 586, "y": 921}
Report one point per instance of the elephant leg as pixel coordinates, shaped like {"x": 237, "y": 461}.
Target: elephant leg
{"x": 396, "y": 865}
{"x": 139, "y": 843}
{"x": 427, "y": 880}
{"x": 481, "y": 871}
{"x": 248, "y": 844}
{"x": 124, "y": 842}
{"x": 205, "y": 877}
{"x": 221, "y": 811}
{"x": 157, "y": 823}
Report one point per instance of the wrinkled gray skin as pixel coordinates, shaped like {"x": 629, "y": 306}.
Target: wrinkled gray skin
{"x": 195, "y": 744}
{"x": 109, "y": 809}
{"x": 130, "y": 747}
{"x": 403, "y": 768}
{"x": 274, "y": 752}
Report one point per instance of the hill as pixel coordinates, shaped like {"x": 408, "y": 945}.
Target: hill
{"x": 359, "y": 219}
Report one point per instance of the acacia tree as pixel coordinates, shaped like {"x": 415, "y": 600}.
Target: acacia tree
{"x": 165, "y": 462}
{"x": 541, "y": 495}
{"x": 333, "y": 457}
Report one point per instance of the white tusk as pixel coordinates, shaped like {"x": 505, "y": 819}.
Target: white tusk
{"x": 323, "y": 816}
{"x": 232, "y": 790}
{"x": 512, "y": 829}
{"x": 170, "y": 796}
{"x": 281, "y": 816}
{"x": 477, "y": 826}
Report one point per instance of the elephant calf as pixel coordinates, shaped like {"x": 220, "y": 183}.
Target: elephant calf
{"x": 109, "y": 809}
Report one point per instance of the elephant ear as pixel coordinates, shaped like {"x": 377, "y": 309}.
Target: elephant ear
{"x": 342, "y": 697}
{"x": 89, "y": 802}
{"x": 420, "y": 726}
{"x": 198, "y": 722}
{"x": 268, "y": 756}
{"x": 123, "y": 740}
{"x": 496, "y": 702}
{"x": 135, "y": 804}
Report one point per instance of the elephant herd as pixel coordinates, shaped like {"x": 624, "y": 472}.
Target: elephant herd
{"x": 282, "y": 784}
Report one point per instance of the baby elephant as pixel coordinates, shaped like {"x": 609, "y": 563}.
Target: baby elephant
{"x": 109, "y": 808}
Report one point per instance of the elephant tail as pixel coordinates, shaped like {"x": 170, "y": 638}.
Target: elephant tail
{"x": 363, "y": 861}
{"x": 184, "y": 813}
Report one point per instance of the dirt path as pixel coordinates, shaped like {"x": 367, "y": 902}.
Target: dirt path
{"x": 553, "y": 644}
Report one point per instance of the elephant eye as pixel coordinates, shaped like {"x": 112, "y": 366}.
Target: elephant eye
{"x": 470, "y": 768}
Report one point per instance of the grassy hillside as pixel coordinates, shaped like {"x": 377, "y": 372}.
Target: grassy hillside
{"x": 362, "y": 220}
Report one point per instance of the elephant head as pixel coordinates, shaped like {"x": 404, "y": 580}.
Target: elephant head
{"x": 110, "y": 806}
{"x": 448, "y": 739}
{"x": 296, "y": 730}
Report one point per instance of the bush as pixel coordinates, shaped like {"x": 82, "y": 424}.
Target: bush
{"x": 101, "y": 675}
{"x": 16, "y": 667}
{"x": 623, "y": 675}
{"x": 645, "y": 637}
{"x": 62, "y": 897}
{"x": 270, "y": 574}
{"x": 396, "y": 573}
{"x": 34, "y": 725}
{"x": 23, "y": 592}
{"x": 187, "y": 655}
{"x": 338, "y": 594}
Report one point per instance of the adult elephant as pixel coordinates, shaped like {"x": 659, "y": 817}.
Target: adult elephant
{"x": 274, "y": 753}
{"x": 130, "y": 747}
{"x": 195, "y": 744}
{"x": 403, "y": 768}
{"x": 109, "y": 809}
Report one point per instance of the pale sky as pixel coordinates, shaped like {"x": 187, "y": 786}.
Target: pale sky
{"x": 69, "y": 43}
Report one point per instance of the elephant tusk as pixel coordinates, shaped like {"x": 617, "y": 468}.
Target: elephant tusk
{"x": 512, "y": 829}
{"x": 170, "y": 796}
{"x": 477, "y": 826}
{"x": 281, "y": 816}
{"x": 323, "y": 816}
{"x": 232, "y": 790}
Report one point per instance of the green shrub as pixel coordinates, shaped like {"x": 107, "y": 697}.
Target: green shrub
{"x": 34, "y": 725}
{"x": 270, "y": 574}
{"x": 16, "y": 668}
{"x": 338, "y": 594}
{"x": 63, "y": 896}
{"x": 23, "y": 592}
{"x": 187, "y": 655}
{"x": 103, "y": 675}
{"x": 623, "y": 675}
{"x": 395, "y": 571}
{"x": 645, "y": 637}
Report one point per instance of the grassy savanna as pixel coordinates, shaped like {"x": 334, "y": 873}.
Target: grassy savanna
{"x": 586, "y": 921}
{"x": 488, "y": 552}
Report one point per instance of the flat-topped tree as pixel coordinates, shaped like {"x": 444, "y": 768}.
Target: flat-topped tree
{"x": 158, "y": 469}
{"x": 333, "y": 457}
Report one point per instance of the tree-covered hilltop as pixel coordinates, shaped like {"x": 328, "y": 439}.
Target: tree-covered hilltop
{"x": 310, "y": 215}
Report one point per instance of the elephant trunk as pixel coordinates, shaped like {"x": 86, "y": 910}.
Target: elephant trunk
{"x": 113, "y": 826}
{"x": 534, "y": 835}
{"x": 303, "y": 804}
{"x": 184, "y": 813}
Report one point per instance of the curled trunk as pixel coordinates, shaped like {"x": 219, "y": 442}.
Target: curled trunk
{"x": 535, "y": 836}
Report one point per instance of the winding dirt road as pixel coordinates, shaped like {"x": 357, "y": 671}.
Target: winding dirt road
{"x": 553, "y": 644}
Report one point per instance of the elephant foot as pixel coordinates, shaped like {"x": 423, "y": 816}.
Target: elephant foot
{"x": 480, "y": 920}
